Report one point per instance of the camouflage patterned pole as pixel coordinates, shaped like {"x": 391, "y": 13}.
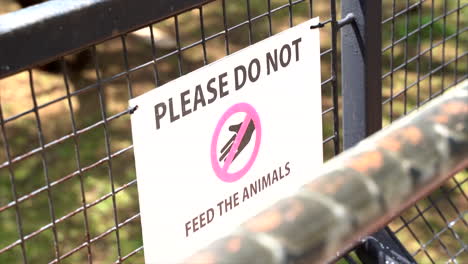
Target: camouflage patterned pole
{"x": 357, "y": 192}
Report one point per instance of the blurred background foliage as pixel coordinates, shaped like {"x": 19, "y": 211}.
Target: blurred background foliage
{"x": 89, "y": 149}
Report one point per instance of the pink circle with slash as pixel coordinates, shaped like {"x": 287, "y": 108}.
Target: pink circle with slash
{"x": 250, "y": 114}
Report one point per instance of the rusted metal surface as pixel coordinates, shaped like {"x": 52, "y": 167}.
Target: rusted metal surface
{"x": 357, "y": 192}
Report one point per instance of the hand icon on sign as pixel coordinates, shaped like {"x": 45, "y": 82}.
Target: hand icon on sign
{"x": 244, "y": 141}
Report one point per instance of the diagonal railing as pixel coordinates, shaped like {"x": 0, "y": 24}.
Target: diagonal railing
{"x": 357, "y": 192}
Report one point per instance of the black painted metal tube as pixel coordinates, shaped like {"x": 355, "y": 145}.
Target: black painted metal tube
{"x": 361, "y": 59}
{"x": 59, "y": 27}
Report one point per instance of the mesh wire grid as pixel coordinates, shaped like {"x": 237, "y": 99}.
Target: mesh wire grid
{"x": 68, "y": 154}
{"x": 67, "y": 178}
{"x": 424, "y": 53}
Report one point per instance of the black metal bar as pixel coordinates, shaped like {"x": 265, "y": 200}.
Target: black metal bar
{"x": 405, "y": 58}
{"x": 126, "y": 65}
{"x": 102, "y": 106}
{"x": 78, "y": 162}
{"x": 290, "y": 13}
{"x": 203, "y": 36}
{"x": 249, "y": 19}
{"x": 362, "y": 108}
{"x": 45, "y": 167}
{"x": 157, "y": 80}
{"x": 362, "y": 111}
{"x": 226, "y": 27}
{"x": 334, "y": 77}
{"x": 57, "y": 27}
{"x": 392, "y": 56}
{"x": 178, "y": 46}
{"x": 14, "y": 190}
{"x": 270, "y": 29}
{"x": 383, "y": 247}
{"x": 457, "y": 40}
{"x": 444, "y": 33}
{"x": 431, "y": 36}
{"x": 418, "y": 65}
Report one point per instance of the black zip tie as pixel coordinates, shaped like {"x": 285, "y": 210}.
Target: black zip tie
{"x": 132, "y": 110}
{"x": 319, "y": 25}
{"x": 348, "y": 19}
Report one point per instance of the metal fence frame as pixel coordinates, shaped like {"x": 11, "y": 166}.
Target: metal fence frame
{"x": 58, "y": 22}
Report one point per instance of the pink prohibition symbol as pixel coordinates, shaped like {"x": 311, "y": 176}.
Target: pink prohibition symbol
{"x": 250, "y": 116}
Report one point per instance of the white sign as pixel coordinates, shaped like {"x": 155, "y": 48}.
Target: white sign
{"x": 218, "y": 145}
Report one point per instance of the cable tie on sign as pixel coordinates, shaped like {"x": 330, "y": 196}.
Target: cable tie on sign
{"x": 320, "y": 25}
{"x": 133, "y": 109}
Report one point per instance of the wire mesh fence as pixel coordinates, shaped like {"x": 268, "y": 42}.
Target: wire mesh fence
{"x": 424, "y": 53}
{"x": 67, "y": 178}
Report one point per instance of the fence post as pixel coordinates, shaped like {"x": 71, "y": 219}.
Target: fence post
{"x": 361, "y": 70}
{"x": 361, "y": 58}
